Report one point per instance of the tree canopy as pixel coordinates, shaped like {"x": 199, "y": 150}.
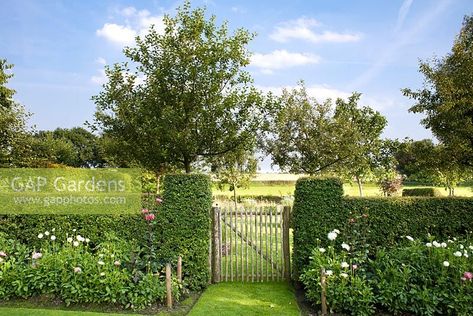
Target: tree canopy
{"x": 186, "y": 99}
{"x": 446, "y": 99}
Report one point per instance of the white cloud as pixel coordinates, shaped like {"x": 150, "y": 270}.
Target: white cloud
{"x": 279, "y": 59}
{"x": 403, "y": 11}
{"x": 237, "y": 9}
{"x": 101, "y": 61}
{"x": 118, "y": 34}
{"x": 302, "y": 29}
{"x": 321, "y": 92}
{"x": 99, "y": 79}
{"x": 136, "y": 22}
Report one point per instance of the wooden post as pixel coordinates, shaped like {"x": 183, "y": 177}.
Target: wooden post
{"x": 179, "y": 269}
{"x": 215, "y": 246}
{"x": 323, "y": 297}
{"x": 168, "y": 286}
{"x": 285, "y": 241}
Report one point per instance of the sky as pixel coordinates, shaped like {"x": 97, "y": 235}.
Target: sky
{"x": 59, "y": 49}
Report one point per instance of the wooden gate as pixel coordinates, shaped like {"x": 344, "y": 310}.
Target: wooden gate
{"x": 250, "y": 244}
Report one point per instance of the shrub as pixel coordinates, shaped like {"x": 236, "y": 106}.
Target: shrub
{"x": 319, "y": 207}
{"x": 433, "y": 278}
{"x": 432, "y": 192}
{"x": 184, "y": 223}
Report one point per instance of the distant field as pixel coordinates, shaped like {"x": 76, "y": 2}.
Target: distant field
{"x": 287, "y": 188}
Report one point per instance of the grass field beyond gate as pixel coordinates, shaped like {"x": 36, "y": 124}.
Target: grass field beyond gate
{"x": 247, "y": 299}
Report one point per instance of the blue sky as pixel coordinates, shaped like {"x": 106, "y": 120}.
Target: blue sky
{"x": 59, "y": 48}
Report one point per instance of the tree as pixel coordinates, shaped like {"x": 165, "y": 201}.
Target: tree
{"x": 14, "y": 136}
{"x": 306, "y": 136}
{"x": 385, "y": 170}
{"x": 236, "y": 169}
{"x": 447, "y": 97}
{"x": 363, "y": 128}
{"x": 188, "y": 99}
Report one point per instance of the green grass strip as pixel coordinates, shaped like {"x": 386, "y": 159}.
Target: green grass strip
{"x": 247, "y": 299}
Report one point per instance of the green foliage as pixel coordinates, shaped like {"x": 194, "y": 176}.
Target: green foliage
{"x": 414, "y": 278}
{"x": 306, "y": 136}
{"x": 432, "y": 192}
{"x": 319, "y": 207}
{"x": 185, "y": 224}
{"x": 78, "y": 271}
{"x": 447, "y": 96}
{"x": 315, "y": 202}
{"x": 195, "y": 101}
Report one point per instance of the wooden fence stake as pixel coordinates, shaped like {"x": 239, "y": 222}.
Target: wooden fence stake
{"x": 215, "y": 246}
{"x": 285, "y": 242}
{"x": 179, "y": 269}
{"x": 168, "y": 286}
{"x": 323, "y": 298}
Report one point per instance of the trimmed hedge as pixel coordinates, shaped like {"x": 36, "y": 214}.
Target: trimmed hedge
{"x": 432, "y": 192}
{"x": 319, "y": 207}
{"x": 185, "y": 225}
{"x": 314, "y": 202}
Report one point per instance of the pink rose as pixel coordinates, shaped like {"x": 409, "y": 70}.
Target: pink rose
{"x": 468, "y": 275}
{"x": 354, "y": 267}
{"x": 117, "y": 263}
{"x": 159, "y": 200}
{"x": 144, "y": 211}
{"x": 149, "y": 217}
{"x": 3, "y": 254}
{"x": 37, "y": 255}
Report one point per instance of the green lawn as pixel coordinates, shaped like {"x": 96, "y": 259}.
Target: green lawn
{"x": 48, "y": 312}
{"x": 247, "y": 299}
{"x": 262, "y": 188}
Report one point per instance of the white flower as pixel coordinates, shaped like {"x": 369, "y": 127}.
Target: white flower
{"x": 102, "y": 273}
{"x": 346, "y": 247}
{"x": 37, "y": 255}
{"x": 461, "y": 247}
{"x": 336, "y": 231}
{"x": 444, "y": 245}
{"x": 87, "y": 240}
{"x": 77, "y": 270}
{"x": 344, "y": 264}
{"x": 74, "y": 230}
{"x": 428, "y": 244}
{"x": 345, "y": 275}
{"x": 410, "y": 238}
{"x": 117, "y": 263}
{"x": 112, "y": 256}
{"x": 457, "y": 254}
{"x": 446, "y": 263}
{"x": 471, "y": 247}
{"x": 80, "y": 238}
{"x": 69, "y": 239}
{"x": 322, "y": 250}
{"x": 465, "y": 255}
{"x": 328, "y": 272}
{"x": 332, "y": 235}
{"x": 53, "y": 238}
{"x": 101, "y": 262}
{"x": 53, "y": 230}
{"x": 75, "y": 243}
{"x": 46, "y": 233}
{"x": 450, "y": 241}
{"x": 436, "y": 244}
{"x": 40, "y": 235}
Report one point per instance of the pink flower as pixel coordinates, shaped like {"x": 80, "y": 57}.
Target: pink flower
{"x": 117, "y": 263}
{"x": 37, "y": 255}
{"x": 159, "y": 200}
{"x": 149, "y": 217}
{"x": 354, "y": 267}
{"x": 3, "y": 254}
{"x": 144, "y": 211}
{"x": 77, "y": 270}
{"x": 468, "y": 275}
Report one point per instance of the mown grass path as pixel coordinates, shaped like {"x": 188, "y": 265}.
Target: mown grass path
{"x": 247, "y": 299}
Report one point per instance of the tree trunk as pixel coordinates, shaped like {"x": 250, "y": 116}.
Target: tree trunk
{"x": 360, "y": 186}
{"x": 235, "y": 197}
{"x": 187, "y": 164}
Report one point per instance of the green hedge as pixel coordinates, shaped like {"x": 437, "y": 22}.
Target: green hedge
{"x": 432, "y": 192}
{"x": 185, "y": 225}
{"x": 319, "y": 207}
{"x": 314, "y": 201}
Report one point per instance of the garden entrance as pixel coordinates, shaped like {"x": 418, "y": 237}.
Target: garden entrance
{"x": 250, "y": 244}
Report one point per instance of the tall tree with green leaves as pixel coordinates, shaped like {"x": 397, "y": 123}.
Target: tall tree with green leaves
{"x": 187, "y": 99}
{"x": 306, "y": 136}
{"x": 14, "y": 135}
{"x": 446, "y": 99}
